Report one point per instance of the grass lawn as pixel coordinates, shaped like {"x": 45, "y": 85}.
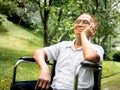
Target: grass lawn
{"x": 111, "y": 83}
{"x": 16, "y": 41}
{"x": 110, "y": 68}
{"x": 110, "y": 75}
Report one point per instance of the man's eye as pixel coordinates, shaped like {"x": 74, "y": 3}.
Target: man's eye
{"x": 82, "y": 21}
{"x": 86, "y": 22}
{"x": 78, "y": 21}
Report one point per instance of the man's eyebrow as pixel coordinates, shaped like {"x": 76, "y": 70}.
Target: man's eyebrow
{"x": 83, "y": 19}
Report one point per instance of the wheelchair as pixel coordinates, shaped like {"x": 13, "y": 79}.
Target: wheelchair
{"x": 96, "y": 67}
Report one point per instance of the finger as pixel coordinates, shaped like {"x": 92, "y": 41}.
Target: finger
{"x": 47, "y": 85}
{"x": 44, "y": 85}
{"x": 92, "y": 30}
{"x": 93, "y": 26}
{"x": 87, "y": 28}
{"x": 37, "y": 84}
{"x": 40, "y": 84}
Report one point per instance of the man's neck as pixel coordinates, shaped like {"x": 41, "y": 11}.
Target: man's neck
{"x": 77, "y": 43}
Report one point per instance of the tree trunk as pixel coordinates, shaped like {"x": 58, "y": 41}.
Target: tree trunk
{"x": 46, "y": 16}
{"x": 45, "y": 22}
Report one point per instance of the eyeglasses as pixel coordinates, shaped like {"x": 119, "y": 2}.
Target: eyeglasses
{"x": 85, "y": 22}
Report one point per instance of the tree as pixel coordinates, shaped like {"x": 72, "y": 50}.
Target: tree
{"x": 107, "y": 15}
{"x": 57, "y": 18}
{"x": 51, "y": 11}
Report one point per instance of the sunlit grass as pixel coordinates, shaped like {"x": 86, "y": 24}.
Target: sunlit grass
{"x": 110, "y": 68}
{"x": 110, "y": 75}
{"x": 111, "y": 83}
{"x": 17, "y": 41}
{"x": 19, "y": 38}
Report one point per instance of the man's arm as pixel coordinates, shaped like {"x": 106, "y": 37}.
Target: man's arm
{"x": 89, "y": 52}
{"x": 44, "y": 76}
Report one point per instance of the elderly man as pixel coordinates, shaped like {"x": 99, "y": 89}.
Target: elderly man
{"x": 68, "y": 55}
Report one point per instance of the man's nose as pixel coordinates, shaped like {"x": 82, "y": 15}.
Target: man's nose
{"x": 80, "y": 24}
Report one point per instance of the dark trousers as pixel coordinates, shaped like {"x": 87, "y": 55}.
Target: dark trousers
{"x": 25, "y": 85}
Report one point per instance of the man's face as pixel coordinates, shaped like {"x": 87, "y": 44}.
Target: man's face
{"x": 82, "y": 22}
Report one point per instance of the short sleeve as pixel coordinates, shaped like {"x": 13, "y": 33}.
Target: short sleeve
{"x": 52, "y": 51}
{"x": 100, "y": 51}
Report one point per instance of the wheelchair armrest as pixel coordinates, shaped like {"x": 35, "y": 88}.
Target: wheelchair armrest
{"x": 91, "y": 64}
{"x": 85, "y": 64}
{"x": 31, "y": 59}
{"x": 27, "y": 58}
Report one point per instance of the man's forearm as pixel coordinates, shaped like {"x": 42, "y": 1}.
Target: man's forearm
{"x": 44, "y": 78}
{"x": 88, "y": 51}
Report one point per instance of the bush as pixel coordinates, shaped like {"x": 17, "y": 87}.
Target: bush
{"x": 2, "y": 29}
{"x": 18, "y": 15}
{"x": 0, "y": 21}
{"x": 116, "y": 56}
{"x": 8, "y": 8}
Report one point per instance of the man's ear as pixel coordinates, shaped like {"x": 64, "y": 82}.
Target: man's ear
{"x": 94, "y": 32}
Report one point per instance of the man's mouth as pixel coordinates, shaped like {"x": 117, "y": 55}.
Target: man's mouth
{"x": 80, "y": 28}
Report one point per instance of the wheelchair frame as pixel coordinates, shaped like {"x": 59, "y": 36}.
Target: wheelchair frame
{"x": 97, "y": 72}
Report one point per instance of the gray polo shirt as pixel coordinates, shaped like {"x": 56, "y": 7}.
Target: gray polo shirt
{"x": 68, "y": 58}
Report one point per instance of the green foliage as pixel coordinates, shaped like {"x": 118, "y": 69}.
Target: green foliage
{"x": 0, "y": 20}
{"x": 54, "y": 19}
{"x": 106, "y": 33}
{"x": 20, "y": 15}
{"x": 116, "y": 56}
{"x": 103, "y": 10}
{"x": 8, "y": 8}
{"x": 62, "y": 32}
{"x": 29, "y": 15}
{"x": 2, "y": 29}
{"x": 1, "y": 0}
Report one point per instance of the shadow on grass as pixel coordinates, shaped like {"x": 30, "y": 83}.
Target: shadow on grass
{"x": 8, "y": 58}
{"x": 9, "y": 54}
{"x": 3, "y": 30}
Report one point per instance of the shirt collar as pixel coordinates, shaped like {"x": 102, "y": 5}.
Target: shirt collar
{"x": 71, "y": 45}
